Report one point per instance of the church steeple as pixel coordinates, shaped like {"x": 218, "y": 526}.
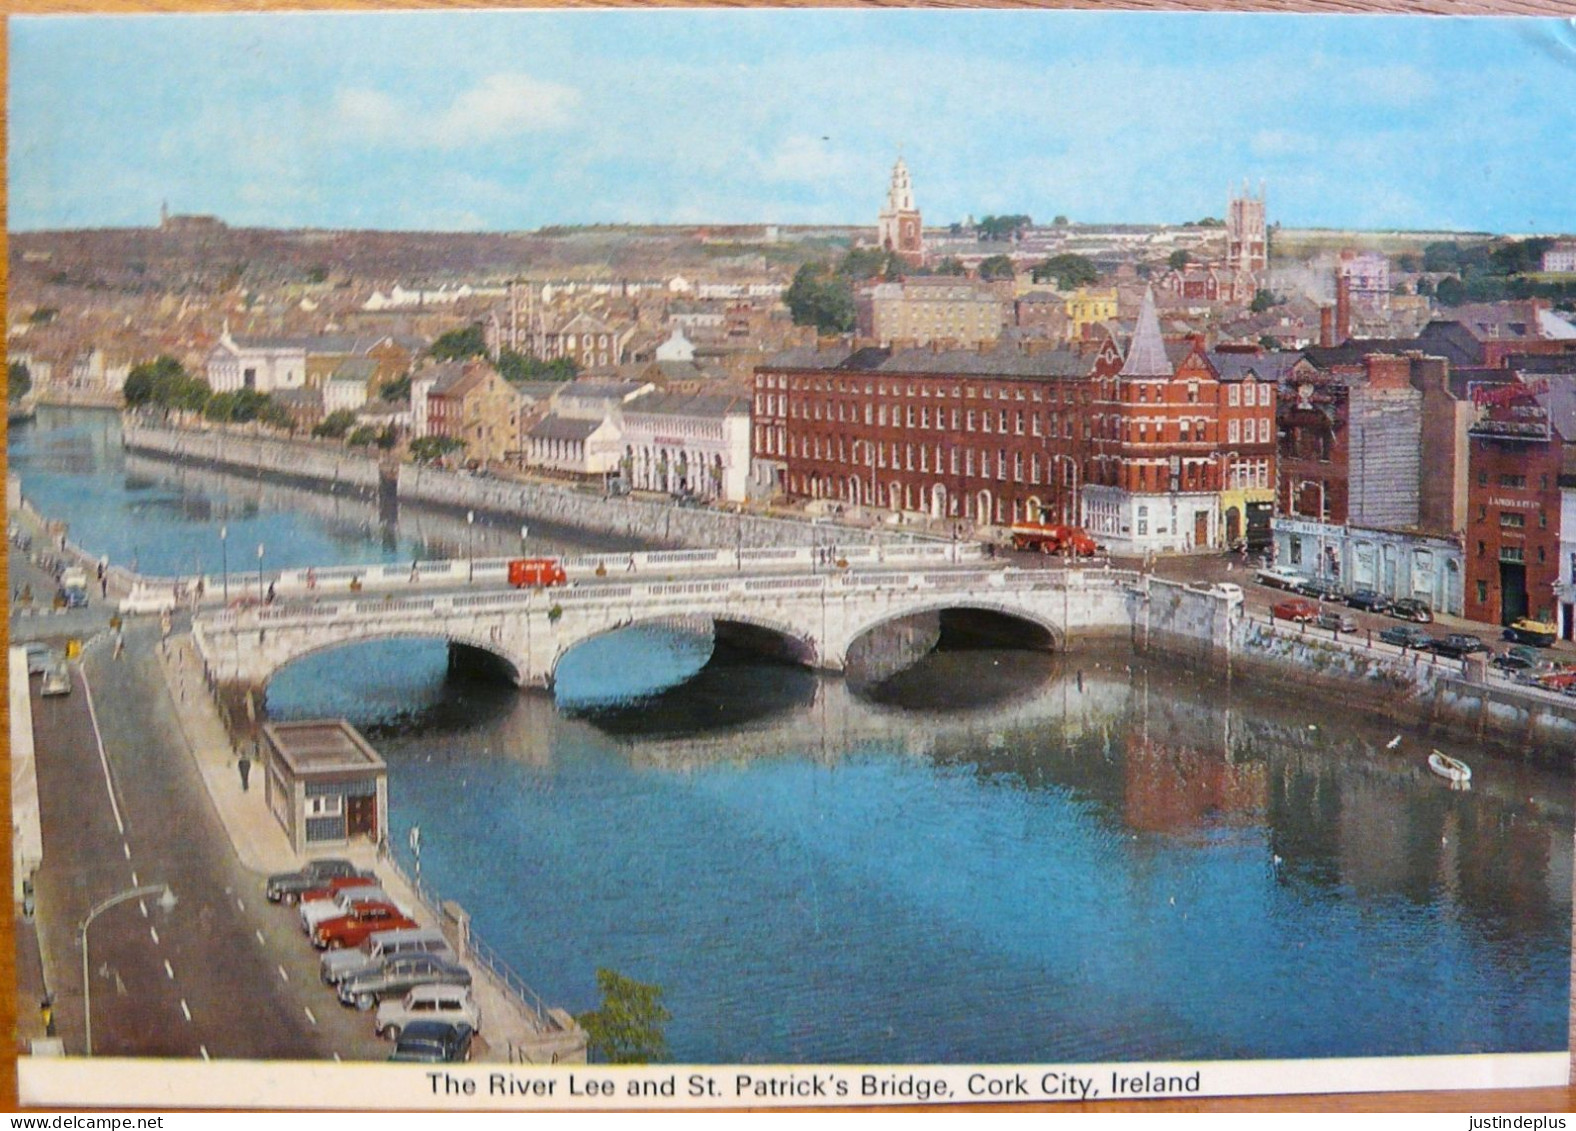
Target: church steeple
{"x": 899, "y": 228}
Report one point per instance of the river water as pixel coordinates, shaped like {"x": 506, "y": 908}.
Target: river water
{"x": 995, "y": 857}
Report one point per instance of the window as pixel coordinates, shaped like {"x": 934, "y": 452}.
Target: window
{"x": 1482, "y": 479}
{"x": 1512, "y": 519}
{"x": 1512, "y": 554}
{"x": 325, "y": 805}
{"x": 1482, "y": 592}
{"x": 1264, "y": 430}
{"x": 1234, "y": 396}
{"x": 1233, "y": 430}
{"x": 1192, "y": 392}
{"x": 1512, "y": 480}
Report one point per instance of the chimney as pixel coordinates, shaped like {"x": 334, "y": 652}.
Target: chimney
{"x": 1326, "y": 326}
{"x": 1343, "y": 309}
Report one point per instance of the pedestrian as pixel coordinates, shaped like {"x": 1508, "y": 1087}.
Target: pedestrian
{"x": 104, "y": 586}
{"x": 271, "y": 593}
{"x": 630, "y": 568}
{"x": 245, "y": 765}
{"x": 415, "y": 571}
{"x": 46, "y": 1013}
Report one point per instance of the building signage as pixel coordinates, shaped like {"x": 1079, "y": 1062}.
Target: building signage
{"x": 1488, "y": 395}
{"x": 1520, "y": 504}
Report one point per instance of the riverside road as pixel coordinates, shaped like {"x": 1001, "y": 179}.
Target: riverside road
{"x": 223, "y": 974}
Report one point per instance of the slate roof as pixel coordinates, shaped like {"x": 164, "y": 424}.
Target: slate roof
{"x": 1560, "y": 402}
{"x": 1146, "y": 356}
{"x": 1271, "y": 366}
{"x": 563, "y": 428}
{"x": 713, "y": 405}
{"x": 1008, "y": 362}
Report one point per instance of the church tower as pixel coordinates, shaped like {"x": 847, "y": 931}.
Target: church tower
{"x": 1247, "y": 239}
{"x": 898, "y": 229}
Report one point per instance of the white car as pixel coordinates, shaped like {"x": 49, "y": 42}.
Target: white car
{"x": 57, "y": 680}
{"x": 1279, "y": 577}
{"x": 429, "y": 1003}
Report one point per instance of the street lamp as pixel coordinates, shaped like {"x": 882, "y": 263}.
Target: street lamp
{"x": 166, "y": 903}
{"x": 224, "y": 557}
{"x": 470, "y": 546}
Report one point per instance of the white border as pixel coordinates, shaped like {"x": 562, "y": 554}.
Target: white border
{"x": 51, "y": 1082}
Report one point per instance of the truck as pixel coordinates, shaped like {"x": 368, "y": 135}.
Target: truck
{"x": 74, "y": 587}
{"x": 536, "y": 573}
{"x": 1051, "y": 538}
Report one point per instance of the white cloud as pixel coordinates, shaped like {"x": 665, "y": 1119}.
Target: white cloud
{"x": 498, "y": 107}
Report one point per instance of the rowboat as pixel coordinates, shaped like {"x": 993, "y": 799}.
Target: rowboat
{"x": 1453, "y": 770}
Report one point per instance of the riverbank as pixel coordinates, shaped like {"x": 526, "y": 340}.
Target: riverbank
{"x": 330, "y": 467}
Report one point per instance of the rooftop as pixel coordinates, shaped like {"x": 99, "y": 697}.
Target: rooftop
{"x": 321, "y": 746}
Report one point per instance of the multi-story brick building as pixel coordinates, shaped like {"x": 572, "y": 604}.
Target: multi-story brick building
{"x": 1512, "y": 550}
{"x": 1140, "y": 452}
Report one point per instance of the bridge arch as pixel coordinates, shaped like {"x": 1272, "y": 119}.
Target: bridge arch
{"x": 766, "y": 635}
{"x": 1054, "y": 630}
{"x": 510, "y": 664}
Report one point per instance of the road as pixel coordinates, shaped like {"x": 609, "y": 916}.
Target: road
{"x": 224, "y": 974}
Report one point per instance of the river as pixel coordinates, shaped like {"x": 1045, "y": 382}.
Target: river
{"x": 994, "y": 857}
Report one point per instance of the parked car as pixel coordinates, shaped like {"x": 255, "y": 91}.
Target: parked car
{"x": 433, "y": 1042}
{"x": 287, "y": 886}
{"x": 39, "y": 657}
{"x": 1509, "y": 661}
{"x": 1230, "y": 591}
{"x": 1368, "y": 601}
{"x": 1406, "y": 636}
{"x": 1409, "y": 608}
{"x": 341, "y": 964}
{"x": 1459, "y": 644}
{"x": 1336, "y": 621}
{"x": 398, "y": 976}
{"x": 1320, "y": 589}
{"x": 1298, "y": 609}
{"x": 341, "y": 902}
{"x": 1278, "y": 577}
{"x": 352, "y": 929}
{"x": 453, "y": 1004}
{"x": 1537, "y": 633}
{"x": 57, "y": 679}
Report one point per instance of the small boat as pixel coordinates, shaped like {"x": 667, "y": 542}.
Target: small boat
{"x": 1453, "y": 770}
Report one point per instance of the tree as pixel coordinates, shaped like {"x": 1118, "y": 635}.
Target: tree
{"x": 515, "y": 366}
{"x": 396, "y": 390}
{"x": 317, "y": 274}
{"x": 1262, "y": 301}
{"x": 164, "y": 382}
{"x": 19, "y": 380}
{"x": 387, "y": 438}
{"x": 818, "y": 297}
{"x": 426, "y": 449}
{"x": 628, "y": 1028}
{"x": 1425, "y": 285}
{"x": 363, "y": 437}
{"x": 1067, "y": 270}
{"x": 1059, "y": 222}
{"x": 457, "y": 345}
{"x": 1178, "y": 259}
{"x": 1450, "y": 291}
{"x": 951, "y": 265}
{"x": 997, "y": 267}
{"x": 1002, "y": 227}
{"x": 336, "y": 424}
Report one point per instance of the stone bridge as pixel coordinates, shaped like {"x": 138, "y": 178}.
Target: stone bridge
{"x": 810, "y": 618}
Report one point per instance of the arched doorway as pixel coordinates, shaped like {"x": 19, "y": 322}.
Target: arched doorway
{"x": 938, "y": 501}
{"x": 982, "y": 509}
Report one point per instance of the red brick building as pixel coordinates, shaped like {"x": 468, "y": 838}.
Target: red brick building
{"x": 1021, "y": 433}
{"x": 1513, "y": 504}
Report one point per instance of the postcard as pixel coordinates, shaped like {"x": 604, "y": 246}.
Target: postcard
{"x": 695, "y": 558}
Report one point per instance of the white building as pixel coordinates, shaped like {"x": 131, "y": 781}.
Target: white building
{"x": 576, "y": 447}
{"x": 263, "y": 364}
{"x": 696, "y": 444}
{"x": 1561, "y": 258}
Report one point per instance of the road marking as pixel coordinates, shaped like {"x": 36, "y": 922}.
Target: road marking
{"x": 282, "y": 973}
{"x": 204, "y": 1050}
{"x": 154, "y": 931}
{"x": 126, "y": 848}
{"x": 259, "y": 935}
{"x": 168, "y": 969}
{"x": 109, "y": 784}
{"x": 241, "y": 905}
{"x": 142, "y": 905}
{"x": 184, "y": 1010}
{"x": 309, "y": 1016}
{"x": 136, "y": 883}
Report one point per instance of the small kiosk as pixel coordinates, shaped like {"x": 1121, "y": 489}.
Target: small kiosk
{"x": 325, "y": 784}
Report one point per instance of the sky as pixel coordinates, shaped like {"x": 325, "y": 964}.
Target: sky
{"x": 517, "y": 120}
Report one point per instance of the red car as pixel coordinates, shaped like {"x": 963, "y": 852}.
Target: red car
{"x": 352, "y": 929}
{"x": 1297, "y": 609}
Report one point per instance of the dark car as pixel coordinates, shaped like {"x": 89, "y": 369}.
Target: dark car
{"x": 1409, "y": 608}
{"x": 433, "y": 1042}
{"x": 399, "y": 974}
{"x": 1511, "y": 662}
{"x": 1459, "y": 644}
{"x": 1405, "y": 636}
{"x": 1368, "y": 600}
{"x": 1319, "y": 588}
{"x": 288, "y": 886}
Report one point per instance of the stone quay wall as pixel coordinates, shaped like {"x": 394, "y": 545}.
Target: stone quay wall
{"x": 331, "y": 467}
